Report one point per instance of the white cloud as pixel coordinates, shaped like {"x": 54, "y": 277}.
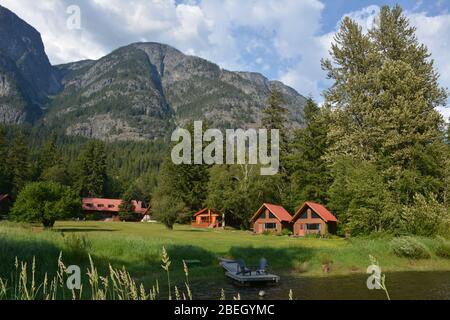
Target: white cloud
{"x": 433, "y": 31}
{"x": 282, "y": 38}
{"x": 212, "y": 29}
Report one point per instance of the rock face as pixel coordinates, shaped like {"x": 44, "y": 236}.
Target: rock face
{"x": 142, "y": 90}
{"x": 26, "y": 76}
{"x": 137, "y": 92}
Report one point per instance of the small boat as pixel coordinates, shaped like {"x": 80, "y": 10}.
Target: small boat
{"x": 239, "y": 272}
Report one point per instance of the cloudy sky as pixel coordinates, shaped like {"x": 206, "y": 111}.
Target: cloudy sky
{"x": 282, "y": 39}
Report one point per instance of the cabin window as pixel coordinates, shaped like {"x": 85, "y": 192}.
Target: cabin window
{"x": 270, "y": 226}
{"x": 315, "y": 216}
{"x": 110, "y": 206}
{"x": 89, "y": 205}
{"x": 204, "y": 219}
{"x": 272, "y": 216}
{"x": 100, "y": 205}
{"x": 304, "y": 215}
{"x": 313, "y": 226}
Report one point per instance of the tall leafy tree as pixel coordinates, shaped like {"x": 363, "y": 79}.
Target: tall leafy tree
{"x": 45, "y": 202}
{"x": 384, "y": 96}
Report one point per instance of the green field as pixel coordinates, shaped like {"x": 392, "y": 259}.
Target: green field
{"x": 138, "y": 247}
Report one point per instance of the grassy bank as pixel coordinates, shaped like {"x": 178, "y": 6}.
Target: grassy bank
{"x": 138, "y": 247}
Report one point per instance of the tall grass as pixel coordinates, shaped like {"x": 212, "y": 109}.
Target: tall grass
{"x": 117, "y": 284}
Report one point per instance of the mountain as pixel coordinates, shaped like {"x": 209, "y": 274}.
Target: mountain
{"x": 26, "y": 75}
{"x": 140, "y": 91}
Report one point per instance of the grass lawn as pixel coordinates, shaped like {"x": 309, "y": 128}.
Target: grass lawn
{"x": 138, "y": 247}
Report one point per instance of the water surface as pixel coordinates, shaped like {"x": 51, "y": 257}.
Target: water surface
{"x": 401, "y": 285}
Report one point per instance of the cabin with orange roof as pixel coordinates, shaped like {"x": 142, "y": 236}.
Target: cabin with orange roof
{"x": 108, "y": 209}
{"x": 270, "y": 218}
{"x": 208, "y": 218}
{"x": 313, "y": 218}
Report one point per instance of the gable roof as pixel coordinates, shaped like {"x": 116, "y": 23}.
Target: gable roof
{"x": 317, "y": 208}
{"x": 278, "y": 211}
{"x": 205, "y": 210}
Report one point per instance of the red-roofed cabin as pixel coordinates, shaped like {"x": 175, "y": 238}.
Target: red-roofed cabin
{"x": 270, "y": 218}
{"x": 313, "y": 218}
{"x": 207, "y": 218}
{"x": 108, "y": 209}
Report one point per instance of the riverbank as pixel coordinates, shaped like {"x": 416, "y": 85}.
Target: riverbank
{"x": 138, "y": 247}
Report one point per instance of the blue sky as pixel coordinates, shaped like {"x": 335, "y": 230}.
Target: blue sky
{"x": 282, "y": 39}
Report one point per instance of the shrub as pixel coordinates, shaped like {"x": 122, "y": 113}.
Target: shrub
{"x": 45, "y": 202}
{"x": 443, "y": 248}
{"x": 425, "y": 217}
{"x": 285, "y": 232}
{"x": 301, "y": 267}
{"x": 409, "y": 247}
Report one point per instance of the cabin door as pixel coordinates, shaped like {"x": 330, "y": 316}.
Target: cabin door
{"x": 301, "y": 230}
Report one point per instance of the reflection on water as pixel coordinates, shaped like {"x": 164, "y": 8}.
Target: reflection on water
{"x": 401, "y": 285}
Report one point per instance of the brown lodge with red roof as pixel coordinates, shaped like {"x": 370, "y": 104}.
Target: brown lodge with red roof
{"x": 270, "y": 218}
{"x": 313, "y": 218}
{"x": 109, "y": 208}
{"x": 310, "y": 218}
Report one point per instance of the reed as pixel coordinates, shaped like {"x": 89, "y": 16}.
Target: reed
{"x": 117, "y": 284}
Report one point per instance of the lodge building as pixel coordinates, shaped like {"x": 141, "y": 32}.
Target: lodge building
{"x": 270, "y": 218}
{"x": 108, "y": 209}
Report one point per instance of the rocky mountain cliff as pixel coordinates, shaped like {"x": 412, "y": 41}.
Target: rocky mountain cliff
{"x": 26, "y": 76}
{"x": 140, "y": 91}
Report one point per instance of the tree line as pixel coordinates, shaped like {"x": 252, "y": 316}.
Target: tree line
{"x": 376, "y": 153}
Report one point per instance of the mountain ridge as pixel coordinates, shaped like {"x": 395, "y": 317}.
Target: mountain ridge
{"x": 138, "y": 91}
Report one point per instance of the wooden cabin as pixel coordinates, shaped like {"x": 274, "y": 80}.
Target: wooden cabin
{"x": 108, "y": 209}
{"x": 313, "y": 218}
{"x": 270, "y": 218}
{"x": 208, "y": 218}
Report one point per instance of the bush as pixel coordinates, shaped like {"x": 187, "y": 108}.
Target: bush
{"x": 443, "y": 249}
{"x": 409, "y": 247}
{"x": 285, "y": 232}
{"x": 425, "y": 217}
{"x": 45, "y": 202}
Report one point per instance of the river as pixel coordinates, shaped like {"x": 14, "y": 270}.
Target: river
{"x": 400, "y": 285}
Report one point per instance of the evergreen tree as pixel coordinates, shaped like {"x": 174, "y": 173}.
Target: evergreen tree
{"x": 275, "y": 117}
{"x": 126, "y": 208}
{"x": 384, "y": 96}
{"x": 4, "y": 173}
{"x": 17, "y": 163}
{"x": 239, "y": 190}
{"x": 49, "y": 156}
{"x": 92, "y": 175}
{"x": 361, "y": 200}
{"x": 310, "y": 177}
